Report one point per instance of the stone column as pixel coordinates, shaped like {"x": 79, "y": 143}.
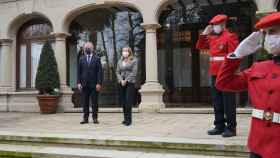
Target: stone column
{"x": 61, "y": 58}
{"x": 6, "y": 66}
{"x": 60, "y": 54}
{"x": 151, "y": 91}
{"x": 265, "y": 7}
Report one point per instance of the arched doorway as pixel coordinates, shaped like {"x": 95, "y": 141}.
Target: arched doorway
{"x": 110, "y": 29}
{"x": 30, "y": 39}
{"x": 183, "y": 70}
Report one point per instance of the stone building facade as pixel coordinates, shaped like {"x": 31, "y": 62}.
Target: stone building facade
{"x": 16, "y": 92}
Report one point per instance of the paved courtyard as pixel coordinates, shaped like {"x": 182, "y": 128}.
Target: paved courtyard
{"x": 145, "y": 125}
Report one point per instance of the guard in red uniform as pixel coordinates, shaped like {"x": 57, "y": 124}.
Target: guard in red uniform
{"x": 220, "y": 42}
{"x": 262, "y": 80}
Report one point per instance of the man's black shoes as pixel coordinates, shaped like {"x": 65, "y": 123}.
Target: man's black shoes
{"x": 84, "y": 122}
{"x": 229, "y": 133}
{"x": 215, "y": 131}
{"x": 224, "y": 132}
{"x": 95, "y": 121}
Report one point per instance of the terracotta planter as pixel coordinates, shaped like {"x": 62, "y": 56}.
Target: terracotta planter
{"x": 48, "y": 103}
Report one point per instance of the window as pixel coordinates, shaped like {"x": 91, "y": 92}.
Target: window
{"x": 31, "y": 38}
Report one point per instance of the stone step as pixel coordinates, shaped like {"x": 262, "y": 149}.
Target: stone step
{"x": 199, "y": 110}
{"x": 202, "y": 110}
{"x": 170, "y": 145}
{"x": 24, "y": 151}
{"x": 101, "y": 110}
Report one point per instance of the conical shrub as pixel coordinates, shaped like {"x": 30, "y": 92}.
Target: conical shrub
{"x": 47, "y": 77}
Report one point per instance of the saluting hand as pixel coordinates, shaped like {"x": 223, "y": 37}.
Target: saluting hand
{"x": 208, "y": 30}
{"x": 249, "y": 45}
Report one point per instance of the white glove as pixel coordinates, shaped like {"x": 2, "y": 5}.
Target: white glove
{"x": 208, "y": 30}
{"x": 249, "y": 45}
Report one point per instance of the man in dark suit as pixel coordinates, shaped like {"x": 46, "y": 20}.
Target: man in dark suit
{"x": 90, "y": 77}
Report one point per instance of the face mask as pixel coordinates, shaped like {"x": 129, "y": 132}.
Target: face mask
{"x": 88, "y": 51}
{"x": 125, "y": 54}
{"x": 217, "y": 29}
{"x": 272, "y": 44}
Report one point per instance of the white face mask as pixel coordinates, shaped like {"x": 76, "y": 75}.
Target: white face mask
{"x": 217, "y": 29}
{"x": 272, "y": 44}
{"x": 125, "y": 54}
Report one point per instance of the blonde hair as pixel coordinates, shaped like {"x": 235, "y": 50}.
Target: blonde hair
{"x": 131, "y": 56}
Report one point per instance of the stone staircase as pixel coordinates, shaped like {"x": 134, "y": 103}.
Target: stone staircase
{"x": 39, "y": 145}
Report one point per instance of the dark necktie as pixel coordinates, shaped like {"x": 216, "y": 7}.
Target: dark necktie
{"x": 88, "y": 59}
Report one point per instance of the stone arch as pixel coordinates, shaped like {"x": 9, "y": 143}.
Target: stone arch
{"x": 86, "y": 8}
{"x": 21, "y": 19}
{"x": 161, "y": 6}
{"x": 164, "y": 3}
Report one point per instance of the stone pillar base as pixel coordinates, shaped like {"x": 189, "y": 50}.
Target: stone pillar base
{"x": 151, "y": 97}
{"x": 4, "y": 102}
{"x": 65, "y": 101}
{"x": 65, "y": 89}
{"x": 6, "y": 89}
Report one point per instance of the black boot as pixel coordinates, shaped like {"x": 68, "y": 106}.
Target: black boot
{"x": 84, "y": 122}
{"x": 124, "y": 115}
{"x": 215, "y": 131}
{"x": 229, "y": 133}
{"x": 95, "y": 121}
{"x": 127, "y": 119}
{"x": 253, "y": 155}
{"x": 127, "y": 124}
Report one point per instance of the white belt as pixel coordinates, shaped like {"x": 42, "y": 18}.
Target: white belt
{"x": 217, "y": 58}
{"x": 265, "y": 115}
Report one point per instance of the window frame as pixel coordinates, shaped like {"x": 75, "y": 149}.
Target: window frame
{"x": 28, "y": 43}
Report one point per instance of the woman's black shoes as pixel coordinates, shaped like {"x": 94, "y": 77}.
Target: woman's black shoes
{"x": 95, "y": 121}
{"x": 126, "y": 123}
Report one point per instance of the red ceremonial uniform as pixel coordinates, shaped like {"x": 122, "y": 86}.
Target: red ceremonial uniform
{"x": 262, "y": 80}
{"x": 263, "y": 83}
{"x": 218, "y": 46}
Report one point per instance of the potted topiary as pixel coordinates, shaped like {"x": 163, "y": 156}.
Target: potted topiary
{"x": 47, "y": 81}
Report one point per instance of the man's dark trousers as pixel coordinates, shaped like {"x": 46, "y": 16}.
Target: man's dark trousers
{"x": 89, "y": 75}
{"x": 224, "y": 107}
{"x": 88, "y": 94}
